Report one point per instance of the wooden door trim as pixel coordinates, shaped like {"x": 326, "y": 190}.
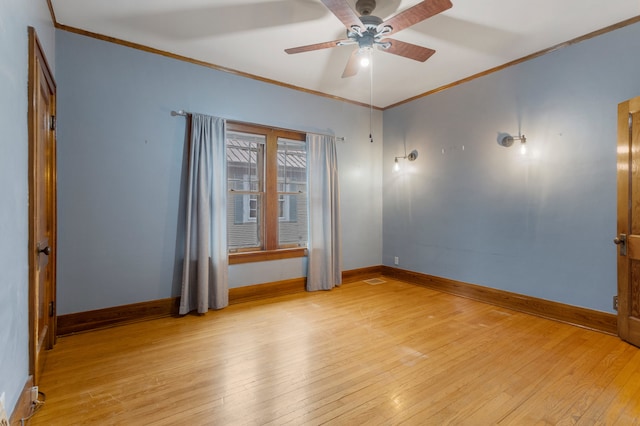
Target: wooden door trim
{"x": 622, "y": 208}
{"x": 36, "y": 55}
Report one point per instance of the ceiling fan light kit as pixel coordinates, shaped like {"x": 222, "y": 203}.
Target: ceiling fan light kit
{"x": 368, "y": 30}
{"x": 365, "y": 57}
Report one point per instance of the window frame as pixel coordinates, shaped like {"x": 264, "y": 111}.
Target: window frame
{"x": 269, "y": 214}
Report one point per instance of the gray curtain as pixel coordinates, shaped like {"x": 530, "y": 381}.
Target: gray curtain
{"x": 325, "y": 246}
{"x": 205, "y": 272}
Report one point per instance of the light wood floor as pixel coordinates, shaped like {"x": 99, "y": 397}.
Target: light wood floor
{"x": 387, "y": 354}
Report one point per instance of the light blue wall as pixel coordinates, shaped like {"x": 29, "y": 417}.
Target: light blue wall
{"x": 120, "y": 164}
{"x": 471, "y": 210}
{"x": 15, "y": 17}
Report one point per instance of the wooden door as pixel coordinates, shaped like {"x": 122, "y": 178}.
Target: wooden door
{"x": 42, "y": 207}
{"x": 628, "y": 239}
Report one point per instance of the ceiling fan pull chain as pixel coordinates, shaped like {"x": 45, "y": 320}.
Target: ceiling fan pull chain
{"x": 371, "y": 98}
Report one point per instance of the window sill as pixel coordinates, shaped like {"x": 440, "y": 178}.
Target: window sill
{"x": 262, "y": 256}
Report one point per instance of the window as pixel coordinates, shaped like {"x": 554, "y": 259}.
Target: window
{"x": 267, "y": 184}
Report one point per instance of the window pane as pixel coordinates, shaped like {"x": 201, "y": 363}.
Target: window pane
{"x": 244, "y": 161}
{"x": 245, "y": 177}
{"x": 292, "y": 166}
{"x": 243, "y": 224}
{"x": 292, "y": 226}
{"x": 292, "y": 189}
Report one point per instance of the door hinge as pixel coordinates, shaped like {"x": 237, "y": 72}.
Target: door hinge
{"x": 52, "y": 123}
{"x": 615, "y": 303}
{"x": 51, "y": 309}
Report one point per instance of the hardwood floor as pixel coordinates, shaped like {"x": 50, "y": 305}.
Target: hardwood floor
{"x": 387, "y": 354}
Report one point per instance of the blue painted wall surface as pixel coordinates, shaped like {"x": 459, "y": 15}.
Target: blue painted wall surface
{"x": 15, "y": 17}
{"x": 541, "y": 225}
{"x": 120, "y": 169}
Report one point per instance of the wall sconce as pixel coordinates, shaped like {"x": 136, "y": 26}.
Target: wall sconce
{"x": 411, "y": 157}
{"x": 507, "y": 141}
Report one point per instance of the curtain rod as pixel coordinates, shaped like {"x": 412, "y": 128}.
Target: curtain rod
{"x": 183, "y": 113}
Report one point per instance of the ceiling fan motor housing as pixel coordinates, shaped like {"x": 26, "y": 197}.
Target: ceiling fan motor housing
{"x": 370, "y": 22}
{"x": 369, "y": 37}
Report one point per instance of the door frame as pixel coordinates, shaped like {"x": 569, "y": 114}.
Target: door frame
{"x": 37, "y": 57}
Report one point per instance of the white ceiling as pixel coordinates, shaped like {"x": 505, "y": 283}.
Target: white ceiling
{"x": 250, "y": 36}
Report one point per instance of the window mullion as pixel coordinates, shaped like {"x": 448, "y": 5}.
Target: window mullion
{"x": 271, "y": 192}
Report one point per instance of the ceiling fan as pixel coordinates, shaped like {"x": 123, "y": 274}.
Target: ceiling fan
{"x": 367, "y": 31}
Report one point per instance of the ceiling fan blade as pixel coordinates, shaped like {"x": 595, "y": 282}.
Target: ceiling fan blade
{"x": 318, "y": 46}
{"x": 344, "y": 13}
{"x": 352, "y": 66}
{"x": 415, "y": 14}
{"x": 408, "y": 50}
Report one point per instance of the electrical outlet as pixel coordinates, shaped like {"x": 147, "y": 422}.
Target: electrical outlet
{"x": 396, "y": 260}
